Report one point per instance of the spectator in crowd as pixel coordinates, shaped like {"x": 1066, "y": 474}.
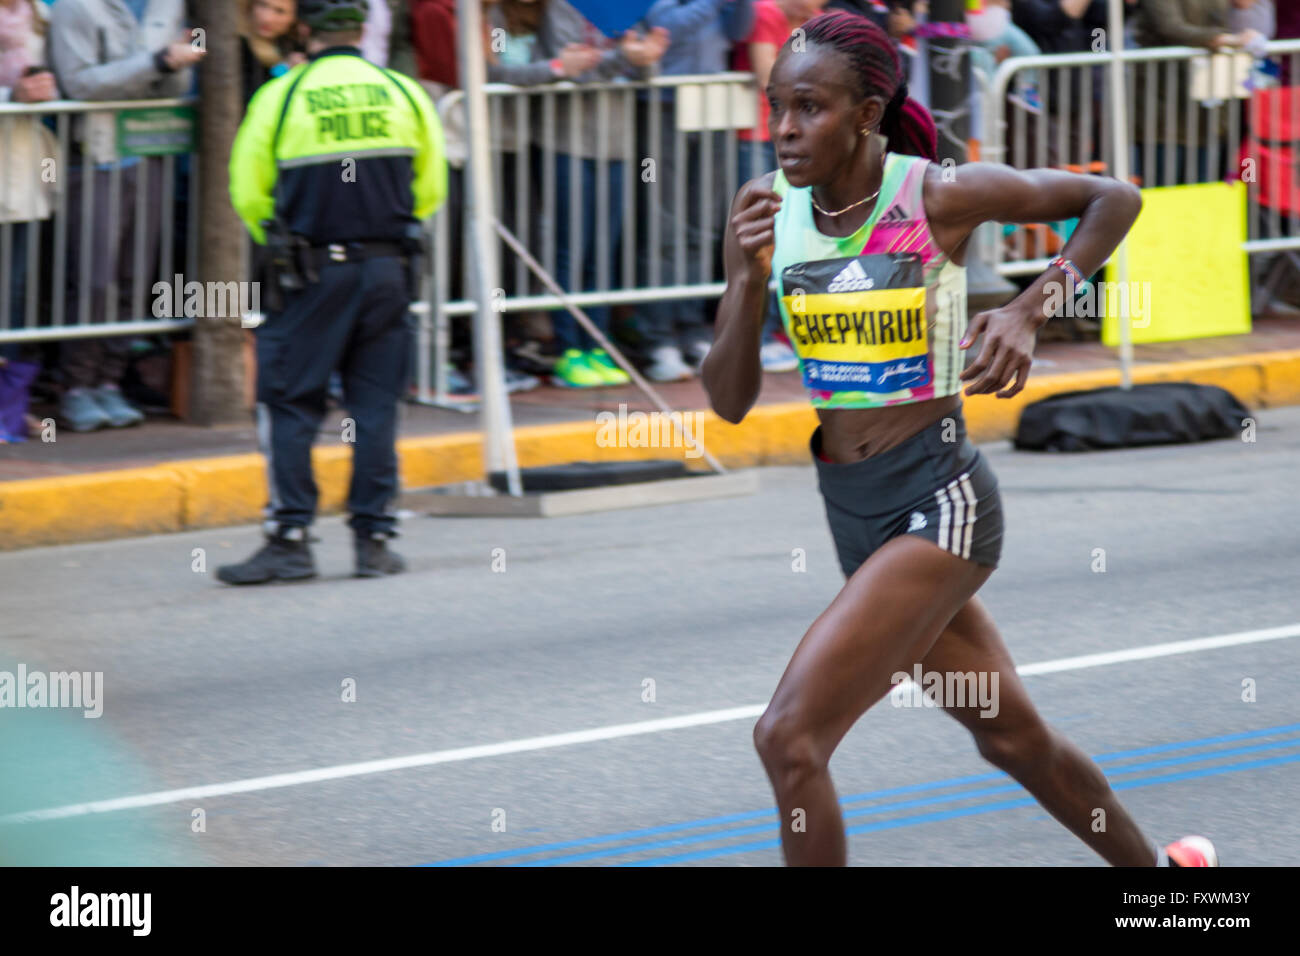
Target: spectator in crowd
{"x": 112, "y": 50}
{"x": 1202, "y": 23}
{"x": 25, "y": 144}
{"x": 433, "y": 39}
{"x": 702, "y": 33}
{"x": 531, "y": 42}
{"x": 876, "y": 12}
{"x": 386, "y": 38}
{"x": 1065, "y": 26}
{"x": 268, "y": 41}
{"x": 996, "y": 38}
{"x": 401, "y": 45}
{"x": 26, "y": 195}
{"x": 774, "y": 22}
{"x": 1059, "y": 26}
{"x": 1255, "y": 21}
{"x": 1287, "y": 24}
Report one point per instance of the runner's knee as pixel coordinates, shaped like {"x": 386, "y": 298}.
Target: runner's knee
{"x": 788, "y": 749}
{"x": 1014, "y": 748}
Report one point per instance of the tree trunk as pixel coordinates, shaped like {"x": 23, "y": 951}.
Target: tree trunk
{"x": 218, "y": 372}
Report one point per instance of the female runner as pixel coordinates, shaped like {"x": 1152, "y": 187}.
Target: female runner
{"x": 867, "y": 247}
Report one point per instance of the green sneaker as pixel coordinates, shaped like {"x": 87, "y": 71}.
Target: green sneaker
{"x": 599, "y": 360}
{"x": 573, "y": 370}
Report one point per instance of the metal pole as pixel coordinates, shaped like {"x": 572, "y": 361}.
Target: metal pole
{"x": 1119, "y": 126}
{"x": 489, "y": 366}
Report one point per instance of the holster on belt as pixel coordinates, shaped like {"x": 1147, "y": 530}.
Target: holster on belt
{"x": 415, "y": 245}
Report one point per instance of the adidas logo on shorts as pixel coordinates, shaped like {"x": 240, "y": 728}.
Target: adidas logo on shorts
{"x": 918, "y": 521}
{"x": 853, "y": 278}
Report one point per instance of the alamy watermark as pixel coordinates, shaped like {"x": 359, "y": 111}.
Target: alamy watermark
{"x": 651, "y": 430}
{"x": 207, "y": 300}
{"x": 951, "y": 689}
{"x": 83, "y": 690}
{"x": 1123, "y": 300}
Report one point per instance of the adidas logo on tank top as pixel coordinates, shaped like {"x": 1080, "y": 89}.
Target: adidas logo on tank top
{"x": 853, "y": 279}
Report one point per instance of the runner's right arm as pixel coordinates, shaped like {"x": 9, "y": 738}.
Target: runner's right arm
{"x": 732, "y": 372}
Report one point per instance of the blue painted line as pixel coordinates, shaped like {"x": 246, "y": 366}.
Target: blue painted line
{"x": 1226, "y": 738}
{"x": 968, "y": 811}
{"x": 846, "y": 800}
{"x": 904, "y": 805}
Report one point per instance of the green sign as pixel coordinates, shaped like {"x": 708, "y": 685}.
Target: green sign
{"x": 166, "y": 131}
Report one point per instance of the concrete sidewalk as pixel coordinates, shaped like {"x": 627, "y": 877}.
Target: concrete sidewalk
{"x": 168, "y": 476}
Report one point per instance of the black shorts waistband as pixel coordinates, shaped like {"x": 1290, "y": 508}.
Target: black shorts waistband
{"x": 895, "y": 478}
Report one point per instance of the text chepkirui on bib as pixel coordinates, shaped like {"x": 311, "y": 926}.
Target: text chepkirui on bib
{"x": 858, "y": 324}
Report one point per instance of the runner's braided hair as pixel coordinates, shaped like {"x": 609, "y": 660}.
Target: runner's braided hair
{"x": 876, "y": 68}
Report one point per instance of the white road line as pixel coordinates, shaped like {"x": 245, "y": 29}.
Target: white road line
{"x": 611, "y": 732}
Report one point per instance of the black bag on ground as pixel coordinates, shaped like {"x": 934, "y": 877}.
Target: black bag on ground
{"x": 1161, "y": 413}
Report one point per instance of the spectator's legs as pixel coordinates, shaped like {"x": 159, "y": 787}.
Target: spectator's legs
{"x": 146, "y": 178}
{"x": 86, "y": 363}
{"x": 17, "y": 303}
{"x": 593, "y": 251}
{"x": 656, "y": 320}
{"x": 567, "y": 333}
{"x": 374, "y": 378}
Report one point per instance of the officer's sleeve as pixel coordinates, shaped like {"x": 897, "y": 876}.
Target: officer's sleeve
{"x": 430, "y": 186}
{"x": 252, "y": 163}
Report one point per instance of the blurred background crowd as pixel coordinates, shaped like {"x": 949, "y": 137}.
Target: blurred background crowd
{"x": 127, "y": 218}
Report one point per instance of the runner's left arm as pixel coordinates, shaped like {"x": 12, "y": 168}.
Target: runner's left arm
{"x": 988, "y": 192}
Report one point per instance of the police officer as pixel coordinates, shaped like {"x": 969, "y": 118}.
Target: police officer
{"x": 333, "y": 169}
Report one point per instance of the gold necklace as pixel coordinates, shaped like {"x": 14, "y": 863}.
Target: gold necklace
{"x": 826, "y": 212}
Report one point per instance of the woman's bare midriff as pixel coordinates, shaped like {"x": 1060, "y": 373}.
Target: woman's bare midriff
{"x": 852, "y": 434}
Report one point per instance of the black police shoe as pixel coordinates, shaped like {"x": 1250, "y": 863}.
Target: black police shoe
{"x": 374, "y": 560}
{"x": 286, "y": 556}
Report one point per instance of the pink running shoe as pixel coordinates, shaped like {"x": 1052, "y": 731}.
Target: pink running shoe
{"x": 1192, "y": 851}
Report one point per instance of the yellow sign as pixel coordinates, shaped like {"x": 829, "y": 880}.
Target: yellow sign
{"x": 1188, "y": 277}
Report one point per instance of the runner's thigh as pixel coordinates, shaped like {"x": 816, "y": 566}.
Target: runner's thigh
{"x": 887, "y": 616}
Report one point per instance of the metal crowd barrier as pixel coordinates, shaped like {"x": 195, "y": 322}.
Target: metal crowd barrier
{"x": 535, "y": 131}
{"x": 1210, "y": 97}
{"x": 50, "y": 156}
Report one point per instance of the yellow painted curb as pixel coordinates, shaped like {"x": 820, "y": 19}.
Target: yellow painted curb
{"x": 214, "y": 492}
{"x": 91, "y": 507}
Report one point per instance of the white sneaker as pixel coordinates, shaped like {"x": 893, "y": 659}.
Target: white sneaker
{"x": 667, "y": 365}
{"x": 778, "y": 357}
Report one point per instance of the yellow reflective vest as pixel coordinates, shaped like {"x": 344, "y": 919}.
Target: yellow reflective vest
{"x": 339, "y": 150}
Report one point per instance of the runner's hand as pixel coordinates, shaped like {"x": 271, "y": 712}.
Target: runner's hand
{"x": 754, "y": 225}
{"x": 1008, "y": 351}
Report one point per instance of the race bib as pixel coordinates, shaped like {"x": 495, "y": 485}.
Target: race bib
{"x": 858, "y": 324}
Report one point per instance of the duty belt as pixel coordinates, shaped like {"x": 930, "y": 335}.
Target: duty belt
{"x": 336, "y": 252}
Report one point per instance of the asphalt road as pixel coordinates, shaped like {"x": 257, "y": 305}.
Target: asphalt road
{"x": 241, "y": 691}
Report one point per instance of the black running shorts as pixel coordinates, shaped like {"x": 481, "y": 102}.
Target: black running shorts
{"x": 935, "y": 484}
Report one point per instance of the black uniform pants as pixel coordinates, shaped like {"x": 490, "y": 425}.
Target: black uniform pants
{"x": 356, "y": 319}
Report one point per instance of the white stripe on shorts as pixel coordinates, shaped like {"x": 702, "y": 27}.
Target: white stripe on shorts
{"x": 957, "y": 515}
{"x": 969, "y": 492}
{"x": 944, "y": 509}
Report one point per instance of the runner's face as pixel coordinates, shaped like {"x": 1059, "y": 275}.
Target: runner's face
{"x": 816, "y": 118}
